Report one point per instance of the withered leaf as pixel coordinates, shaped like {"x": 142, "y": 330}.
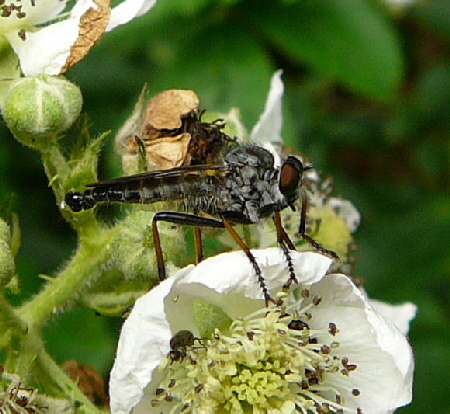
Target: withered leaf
{"x": 92, "y": 26}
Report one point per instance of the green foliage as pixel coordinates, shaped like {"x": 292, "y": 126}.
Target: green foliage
{"x": 366, "y": 100}
{"x": 342, "y": 40}
{"x": 436, "y": 15}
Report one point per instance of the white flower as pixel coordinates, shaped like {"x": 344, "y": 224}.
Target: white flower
{"x": 333, "y": 219}
{"x": 321, "y": 346}
{"x": 267, "y": 131}
{"x": 42, "y": 36}
{"x": 399, "y": 315}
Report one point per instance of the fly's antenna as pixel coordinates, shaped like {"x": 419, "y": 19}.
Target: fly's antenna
{"x": 79, "y": 201}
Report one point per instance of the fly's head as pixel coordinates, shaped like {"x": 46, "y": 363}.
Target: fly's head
{"x": 291, "y": 173}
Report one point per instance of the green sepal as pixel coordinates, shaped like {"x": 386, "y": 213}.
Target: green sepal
{"x": 113, "y": 295}
{"x": 83, "y": 158}
{"x": 209, "y": 317}
{"x": 9, "y": 69}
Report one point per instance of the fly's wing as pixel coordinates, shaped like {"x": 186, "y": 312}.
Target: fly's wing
{"x": 154, "y": 178}
{"x": 193, "y": 182}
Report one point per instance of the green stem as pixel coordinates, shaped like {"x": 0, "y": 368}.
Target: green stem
{"x": 85, "y": 266}
{"x": 9, "y": 321}
{"x": 68, "y": 386}
{"x": 30, "y": 362}
{"x": 56, "y": 169}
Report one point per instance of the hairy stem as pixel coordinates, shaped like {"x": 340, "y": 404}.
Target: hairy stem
{"x": 82, "y": 269}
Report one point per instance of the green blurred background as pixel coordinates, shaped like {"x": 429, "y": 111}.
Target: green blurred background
{"x": 367, "y": 99}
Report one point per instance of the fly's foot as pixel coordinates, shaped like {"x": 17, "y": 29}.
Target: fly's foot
{"x": 319, "y": 247}
{"x": 262, "y": 282}
{"x": 290, "y": 266}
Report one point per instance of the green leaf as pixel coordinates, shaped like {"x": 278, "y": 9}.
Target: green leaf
{"x": 436, "y": 14}
{"x": 223, "y": 65}
{"x": 349, "y": 41}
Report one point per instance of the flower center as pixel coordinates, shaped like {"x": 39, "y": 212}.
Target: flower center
{"x": 271, "y": 361}
{"x": 12, "y": 9}
{"x": 14, "y": 15}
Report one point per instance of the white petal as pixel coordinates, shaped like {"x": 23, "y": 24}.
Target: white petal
{"x": 229, "y": 280}
{"x": 167, "y": 308}
{"x": 380, "y": 351}
{"x": 46, "y": 51}
{"x": 399, "y": 315}
{"x": 143, "y": 342}
{"x": 128, "y": 10}
{"x": 42, "y": 12}
{"x": 347, "y": 211}
{"x": 268, "y": 128}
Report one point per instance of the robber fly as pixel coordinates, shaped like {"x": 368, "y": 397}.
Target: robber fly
{"x": 244, "y": 188}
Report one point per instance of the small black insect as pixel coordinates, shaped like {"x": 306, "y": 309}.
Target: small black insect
{"x": 179, "y": 344}
{"x": 298, "y": 325}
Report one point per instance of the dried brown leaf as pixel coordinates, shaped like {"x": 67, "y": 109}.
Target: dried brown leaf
{"x": 168, "y": 152}
{"x": 92, "y": 26}
{"x": 165, "y": 111}
{"x": 89, "y": 381}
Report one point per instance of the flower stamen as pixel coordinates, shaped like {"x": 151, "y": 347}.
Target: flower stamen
{"x": 271, "y": 360}
{"x": 8, "y": 9}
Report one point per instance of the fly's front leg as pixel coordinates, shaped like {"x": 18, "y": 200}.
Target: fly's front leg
{"x": 283, "y": 239}
{"x": 282, "y": 236}
{"x": 183, "y": 219}
{"x": 310, "y": 240}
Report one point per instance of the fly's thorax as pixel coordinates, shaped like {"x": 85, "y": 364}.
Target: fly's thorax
{"x": 251, "y": 188}
{"x": 204, "y": 195}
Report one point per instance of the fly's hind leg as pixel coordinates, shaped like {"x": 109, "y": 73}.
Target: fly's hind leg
{"x": 197, "y": 222}
{"x": 183, "y": 219}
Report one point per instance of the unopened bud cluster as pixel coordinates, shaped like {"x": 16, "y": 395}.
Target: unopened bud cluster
{"x": 39, "y": 108}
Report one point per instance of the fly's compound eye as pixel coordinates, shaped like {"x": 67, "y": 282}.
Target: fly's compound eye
{"x": 290, "y": 176}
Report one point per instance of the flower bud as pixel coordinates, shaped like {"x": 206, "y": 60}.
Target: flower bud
{"x": 333, "y": 231}
{"x": 133, "y": 248}
{"x": 39, "y": 108}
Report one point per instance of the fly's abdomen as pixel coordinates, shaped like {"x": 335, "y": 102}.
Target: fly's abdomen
{"x": 89, "y": 198}
{"x": 120, "y": 193}
{"x": 79, "y": 201}
{"x": 194, "y": 192}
